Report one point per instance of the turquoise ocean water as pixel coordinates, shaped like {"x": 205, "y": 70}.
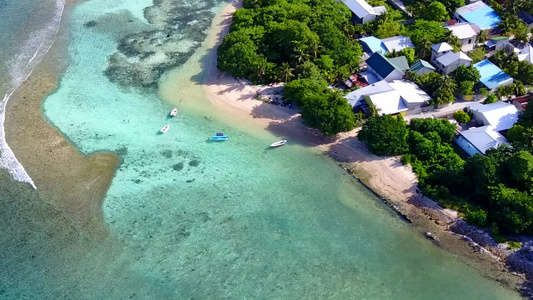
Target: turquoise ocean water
{"x": 191, "y": 218}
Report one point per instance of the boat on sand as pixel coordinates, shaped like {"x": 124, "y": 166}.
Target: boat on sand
{"x": 174, "y": 112}
{"x": 278, "y": 144}
{"x": 219, "y": 137}
{"x": 165, "y": 129}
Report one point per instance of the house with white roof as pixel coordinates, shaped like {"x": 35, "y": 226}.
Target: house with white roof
{"x": 478, "y": 140}
{"x": 439, "y": 50}
{"x": 396, "y": 97}
{"x": 450, "y": 61}
{"x": 372, "y": 44}
{"x": 500, "y": 115}
{"x": 526, "y": 54}
{"x": 494, "y": 119}
{"x": 397, "y": 43}
{"x": 467, "y": 33}
{"x": 362, "y": 11}
{"x": 480, "y": 14}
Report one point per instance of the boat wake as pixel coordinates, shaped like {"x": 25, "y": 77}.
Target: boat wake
{"x": 21, "y": 67}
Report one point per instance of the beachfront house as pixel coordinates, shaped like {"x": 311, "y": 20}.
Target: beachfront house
{"x": 382, "y": 68}
{"x": 480, "y": 14}
{"x": 450, "y": 61}
{"x": 478, "y": 140}
{"x": 363, "y": 12}
{"x": 500, "y": 115}
{"x": 494, "y": 119}
{"x": 422, "y": 67}
{"x": 389, "y": 98}
{"x": 467, "y": 33}
{"x": 492, "y": 77}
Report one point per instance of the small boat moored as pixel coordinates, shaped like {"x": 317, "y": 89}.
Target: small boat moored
{"x": 165, "y": 129}
{"x": 219, "y": 137}
{"x": 278, "y": 143}
{"x": 174, "y": 112}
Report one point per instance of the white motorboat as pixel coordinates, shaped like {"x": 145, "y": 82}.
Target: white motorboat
{"x": 278, "y": 144}
{"x": 174, "y": 112}
{"x": 165, "y": 129}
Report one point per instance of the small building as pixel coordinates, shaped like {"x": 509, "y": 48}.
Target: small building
{"x": 372, "y": 45}
{"x": 363, "y": 12}
{"x": 521, "y": 102}
{"x": 500, "y": 115}
{"x": 413, "y": 96}
{"x": 527, "y": 19}
{"x": 396, "y": 97}
{"x": 478, "y": 140}
{"x": 467, "y": 33}
{"x": 492, "y": 76}
{"x": 494, "y": 119}
{"x": 480, "y": 14}
{"x": 397, "y": 43}
{"x": 450, "y": 61}
{"x": 383, "y": 68}
{"x": 526, "y": 54}
{"x": 498, "y": 43}
{"x": 439, "y": 50}
{"x": 400, "y": 62}
{"x": 422, "y": 67}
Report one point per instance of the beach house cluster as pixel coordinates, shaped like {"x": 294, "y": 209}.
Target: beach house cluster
{"x": 382, "y": 86}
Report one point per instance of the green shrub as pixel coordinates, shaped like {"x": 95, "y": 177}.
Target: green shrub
{"x": 477, "y": 217}
{"x": 461, "y": 117}
{"x": 406, "y": 159}
{"x": 514, "y": 245}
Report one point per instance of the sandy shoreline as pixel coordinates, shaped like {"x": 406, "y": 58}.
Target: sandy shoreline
{"x": 387, "y": 177}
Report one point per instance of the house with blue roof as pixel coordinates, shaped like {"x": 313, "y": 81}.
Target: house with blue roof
{"x": 372, "y": 45}
{"x": 383, "y": 68}
{"x": 480, "y": 14}
{"x": 492, "y": 76}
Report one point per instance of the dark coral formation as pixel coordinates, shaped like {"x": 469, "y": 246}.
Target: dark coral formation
{"x": 178, "y": 29}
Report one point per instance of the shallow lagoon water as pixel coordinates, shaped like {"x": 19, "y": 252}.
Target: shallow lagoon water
{"x": 191, "y": 218}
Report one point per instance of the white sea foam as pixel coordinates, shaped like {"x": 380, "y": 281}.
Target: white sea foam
{"x": 21, "y": 67}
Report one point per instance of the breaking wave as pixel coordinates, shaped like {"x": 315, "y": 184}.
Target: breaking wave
{"x": 21, "y": 67}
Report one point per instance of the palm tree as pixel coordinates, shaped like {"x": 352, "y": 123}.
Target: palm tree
{"x": 424, "y": 50}
{"x": 286, "y": 72}
{"x": 260, "y": 68}
{"x": 455, "y": 42}
{"x": 300, "y": 54}
{"x": 519, "y": 88}
{"x": 483, "y": 35}
{"x": 448, "y": 85}
{"x": 506, "y": 26}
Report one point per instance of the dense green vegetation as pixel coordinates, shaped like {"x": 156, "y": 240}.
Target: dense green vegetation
{"x": 270, "y": 40}
{"x": 510, "y": 23}
{"x": 320, "y": 106}
{"x": 492, "y": 190}
{"x": 441, "y": 88}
